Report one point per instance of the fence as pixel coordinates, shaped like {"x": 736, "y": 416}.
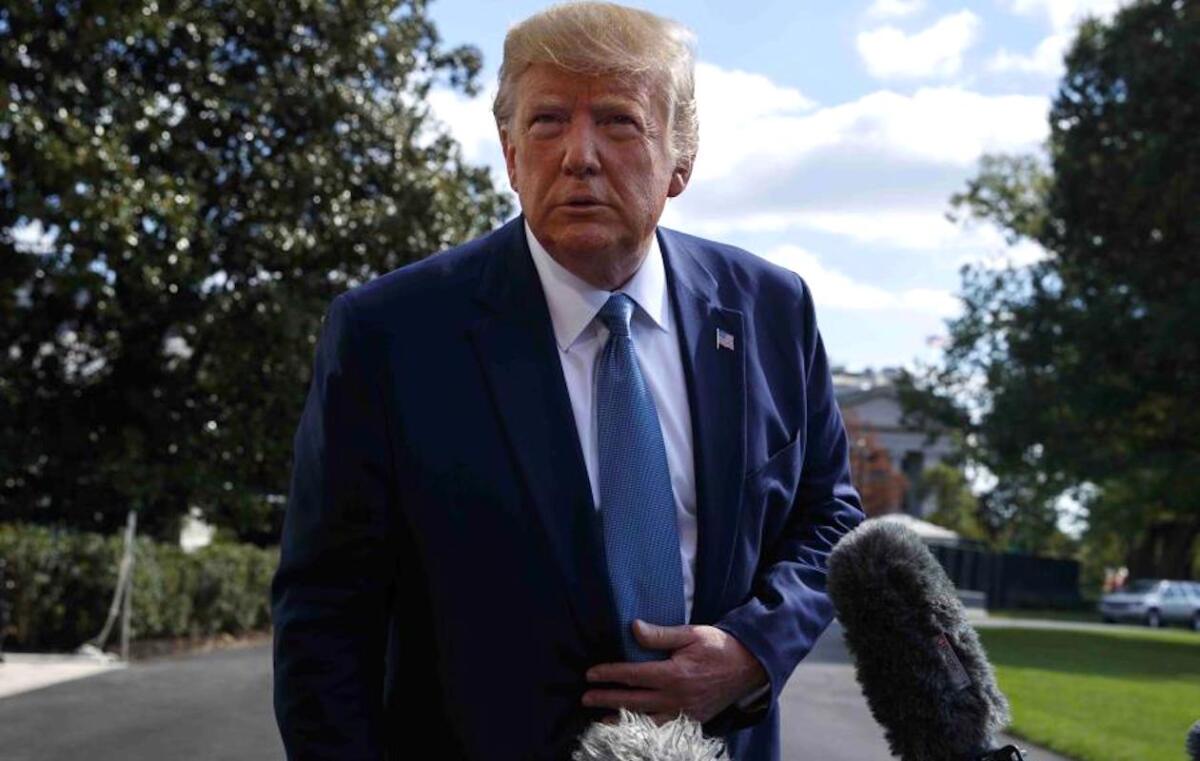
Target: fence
{"x": 1010, "y": 579}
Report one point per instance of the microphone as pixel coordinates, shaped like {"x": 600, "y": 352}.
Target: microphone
{"x": 1193, "y": 742}
{"x": 922, "y": 670}
{"x": 635, "y": 737}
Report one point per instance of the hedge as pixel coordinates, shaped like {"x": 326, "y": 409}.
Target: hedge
{"x": 58, "y": 586}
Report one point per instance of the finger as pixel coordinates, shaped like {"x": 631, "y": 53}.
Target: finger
{"x": 642, "y": 701}
{"x": 643, "y": 674}
{"x": 657, "y": 637}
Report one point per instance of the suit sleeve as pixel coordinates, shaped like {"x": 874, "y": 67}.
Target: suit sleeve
{"x": 753, "y": 698}
{"x": 329, "y": 593}
{"x": 788, "y": 607}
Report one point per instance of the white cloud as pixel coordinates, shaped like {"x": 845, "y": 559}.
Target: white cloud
{"x": 936, "y": 51}
{"x": 1046, "y": 59}
{"x": 836, "y": 290}
{"x": 901, "y": 229}
{"x": 894, "y": 8}
{"x": 913, "y": 230}
{"x": 757, "y": 94}
{"x": 919, "y": 230}
{"x": 731, "y": 102}
{"x": 882, "y": 152}
{"x": 1065, "y": 14}
{"x": 943, "y": 124}
{"x": 470, "y": 121}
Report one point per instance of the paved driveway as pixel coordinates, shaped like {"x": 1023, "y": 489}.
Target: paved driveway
{"x": 208, "y": 707}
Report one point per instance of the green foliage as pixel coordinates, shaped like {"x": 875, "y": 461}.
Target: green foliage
{"x": 59, "y": 585}
{"x": 209, "y": 176}
{"x": 957, "y": 508}
{"x": 1079, "y": 374}
{"x": 976, "y": 519}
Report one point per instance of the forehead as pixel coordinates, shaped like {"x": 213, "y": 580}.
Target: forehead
{"x": 546, "y": 81}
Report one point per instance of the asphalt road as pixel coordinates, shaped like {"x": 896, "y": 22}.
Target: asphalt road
{"x": 217, "y": 707}
{"x": 207, "y": 707}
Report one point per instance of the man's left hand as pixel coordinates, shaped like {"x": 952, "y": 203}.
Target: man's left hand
{"x": 708, "y": 669}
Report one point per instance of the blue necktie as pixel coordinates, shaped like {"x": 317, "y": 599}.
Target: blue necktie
{"x": 637, "y": 505}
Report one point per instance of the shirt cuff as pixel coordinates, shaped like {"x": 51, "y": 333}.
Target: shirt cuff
{"x": 748, "y": 699}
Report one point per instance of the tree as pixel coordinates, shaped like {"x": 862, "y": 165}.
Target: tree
{"x": 1081, "y": 371}
{"x": 957, "y": 507}
{"x": 209, "y": 176}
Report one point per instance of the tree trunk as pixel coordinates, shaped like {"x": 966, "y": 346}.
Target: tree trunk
{"x": 1165, "y": 550}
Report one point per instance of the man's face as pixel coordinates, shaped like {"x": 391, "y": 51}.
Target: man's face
{"x": 590, "y": 160}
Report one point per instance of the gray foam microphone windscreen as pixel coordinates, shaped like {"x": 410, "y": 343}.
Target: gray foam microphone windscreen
{"x": 922, "y": 669}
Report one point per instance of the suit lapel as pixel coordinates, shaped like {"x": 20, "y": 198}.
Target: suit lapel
{"x": 516, "y": 348}
{"x": 716, "y": 381}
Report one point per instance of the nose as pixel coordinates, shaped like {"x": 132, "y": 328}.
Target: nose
{"x": 580, "y": 149}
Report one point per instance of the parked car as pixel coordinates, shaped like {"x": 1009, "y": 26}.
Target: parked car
{"x": 1154, "y": 602}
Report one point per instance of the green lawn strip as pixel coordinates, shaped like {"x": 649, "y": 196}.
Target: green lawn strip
{"x": 1120, "y": 695}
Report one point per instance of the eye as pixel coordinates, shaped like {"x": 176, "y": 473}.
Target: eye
{"x": 544, "y": 124}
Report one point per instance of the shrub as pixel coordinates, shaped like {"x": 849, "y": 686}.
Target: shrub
{"x": 58, "y": 585}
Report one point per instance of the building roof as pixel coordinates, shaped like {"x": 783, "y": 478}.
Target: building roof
{"x": 923, "y": 529}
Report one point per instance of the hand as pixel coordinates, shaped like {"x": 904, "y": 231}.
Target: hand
{"x": 708, "y": 670}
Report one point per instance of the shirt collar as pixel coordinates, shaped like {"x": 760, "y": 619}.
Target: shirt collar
{"x": 574, "y": 302}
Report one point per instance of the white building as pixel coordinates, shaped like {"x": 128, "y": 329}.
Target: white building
{"x": 872, "y": 399}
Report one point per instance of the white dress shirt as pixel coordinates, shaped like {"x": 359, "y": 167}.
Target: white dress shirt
{"x": 574, "y": 304}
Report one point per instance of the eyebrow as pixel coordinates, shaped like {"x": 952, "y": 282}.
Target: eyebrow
{"x": 603, "y": 104}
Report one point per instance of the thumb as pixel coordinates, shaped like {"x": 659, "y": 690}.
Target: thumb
{"x": 658, "y": 637}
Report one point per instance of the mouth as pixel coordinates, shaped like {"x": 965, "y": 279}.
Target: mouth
{"x": 582, "y": 202}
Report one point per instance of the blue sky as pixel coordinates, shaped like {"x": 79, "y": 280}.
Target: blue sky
{"x": 832, "y": 135}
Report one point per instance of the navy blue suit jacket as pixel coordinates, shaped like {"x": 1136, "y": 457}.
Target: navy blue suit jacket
{"x": 441, "y": 577}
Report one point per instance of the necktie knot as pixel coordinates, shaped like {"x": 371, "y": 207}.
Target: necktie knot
{"x": 616, "y": 313}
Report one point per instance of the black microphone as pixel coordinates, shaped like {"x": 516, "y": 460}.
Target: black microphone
{"x": 922, "y": 670}
{"x": 1193, "y": 742}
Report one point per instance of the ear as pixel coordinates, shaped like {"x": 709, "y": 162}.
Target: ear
{"x": 510, "y": 156}
{"x": 680, "y": 177}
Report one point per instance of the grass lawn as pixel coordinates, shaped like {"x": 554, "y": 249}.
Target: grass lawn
{"x": 1120, "y": 695}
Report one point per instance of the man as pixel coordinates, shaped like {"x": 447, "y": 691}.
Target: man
{"x": 515, "y": 449}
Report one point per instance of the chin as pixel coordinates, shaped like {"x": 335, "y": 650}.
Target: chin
{"x": 585, "y": 242}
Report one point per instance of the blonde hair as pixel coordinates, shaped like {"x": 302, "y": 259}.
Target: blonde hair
{"x": 595, "y": 38}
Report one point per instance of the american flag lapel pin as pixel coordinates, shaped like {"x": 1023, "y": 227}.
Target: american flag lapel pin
{"x": 724, "y": 340}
